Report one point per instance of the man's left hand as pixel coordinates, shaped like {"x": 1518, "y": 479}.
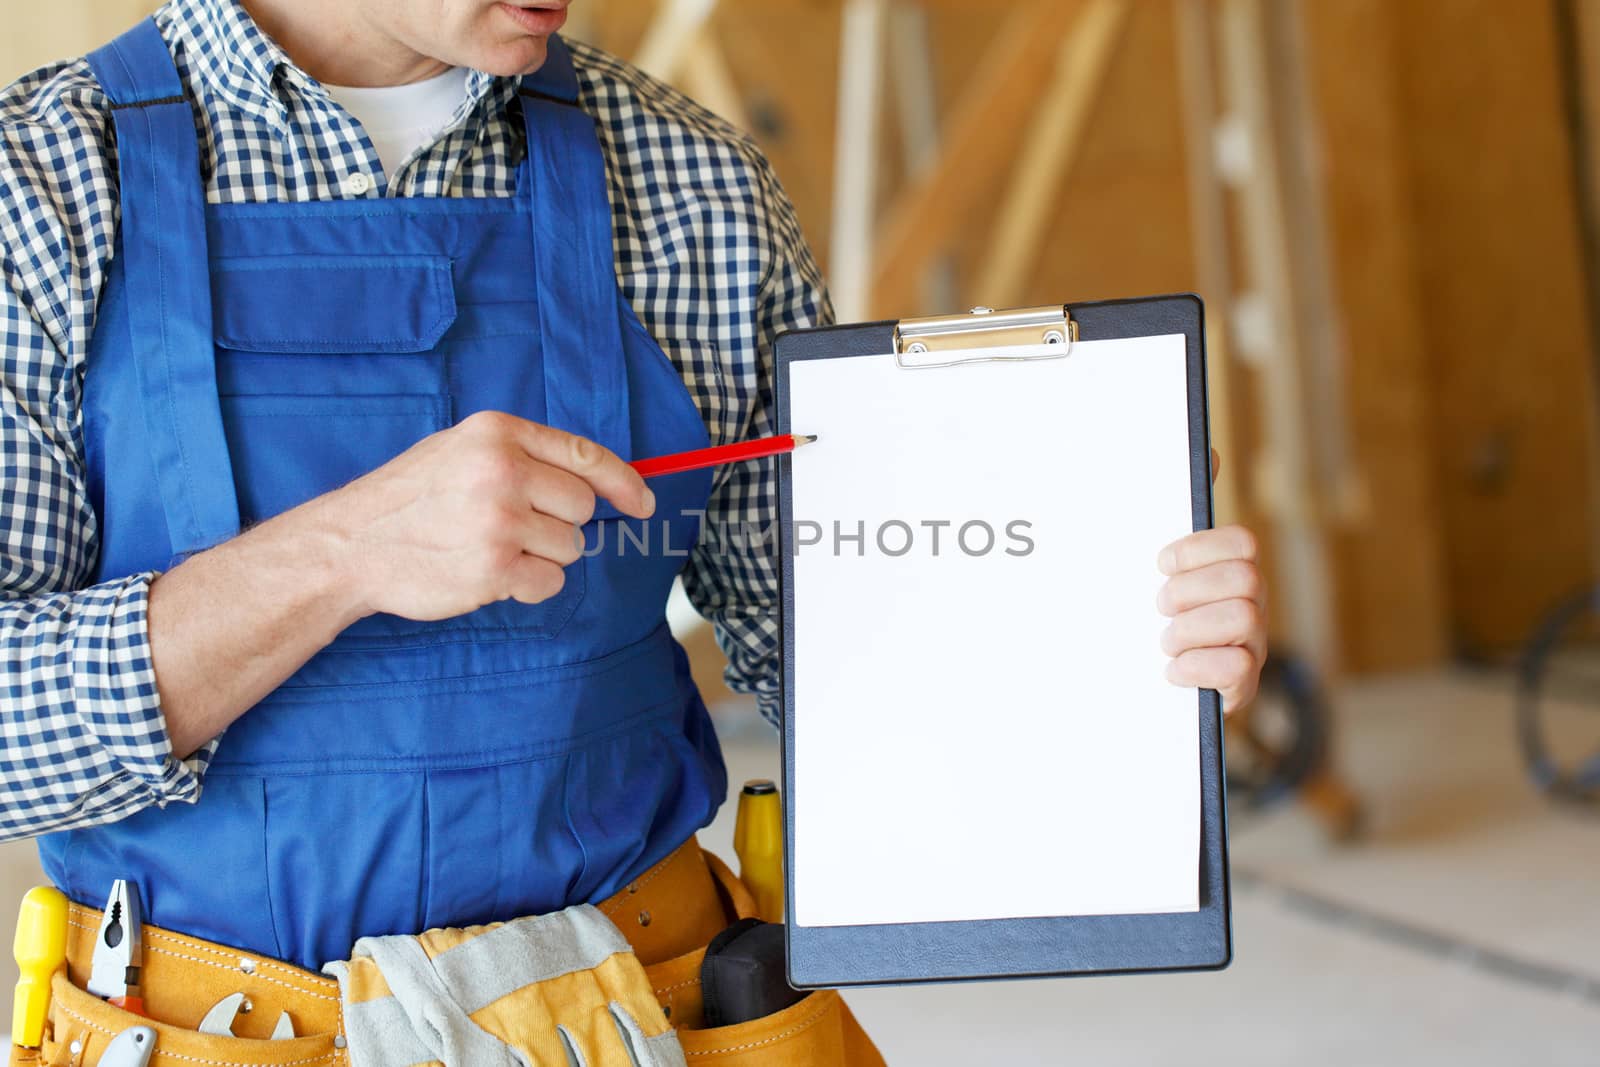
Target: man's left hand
{"x": 1217, "y": 602}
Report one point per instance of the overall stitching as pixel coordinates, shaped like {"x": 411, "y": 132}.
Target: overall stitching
{"x": 423, "y": 886}
{"x": 266, "y": 874}
{"x": 572, "y": 827}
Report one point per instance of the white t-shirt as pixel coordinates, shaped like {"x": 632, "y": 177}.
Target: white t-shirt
{"x": 399, "y": 119}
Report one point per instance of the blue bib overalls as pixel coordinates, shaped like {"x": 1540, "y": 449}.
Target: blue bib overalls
{"x": 247, "y": 357}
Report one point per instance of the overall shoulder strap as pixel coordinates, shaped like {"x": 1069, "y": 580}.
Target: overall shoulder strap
{"x": 162, "y": 239}
{"x": 580, "y": 321}
{"x": 556, "y": 79}
{"x": 136, "y": 69}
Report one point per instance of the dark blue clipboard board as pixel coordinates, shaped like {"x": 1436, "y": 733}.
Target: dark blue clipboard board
{"x": 894, "y": 954}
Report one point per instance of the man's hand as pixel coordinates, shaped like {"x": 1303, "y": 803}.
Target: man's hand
{"x": 490, "y": 509}
{"x": 1217, "y": 602}
{"x": 487, "y": 510}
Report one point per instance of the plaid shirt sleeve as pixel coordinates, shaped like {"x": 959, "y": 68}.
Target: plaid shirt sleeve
{"x": 82, "y": 737}
{"x": 733, "y": 574}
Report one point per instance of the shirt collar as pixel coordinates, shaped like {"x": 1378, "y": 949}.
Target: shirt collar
{"x": 238, "y": 60}
{"x": 233, "y": 57}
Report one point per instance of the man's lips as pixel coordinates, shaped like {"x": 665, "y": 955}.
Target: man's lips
{"x": 541, "y": 21}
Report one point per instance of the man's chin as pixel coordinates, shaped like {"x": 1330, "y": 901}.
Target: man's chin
{"x": 511, "y": 59}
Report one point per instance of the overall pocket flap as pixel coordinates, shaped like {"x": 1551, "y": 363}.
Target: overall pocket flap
{"x": 332, "y": 304}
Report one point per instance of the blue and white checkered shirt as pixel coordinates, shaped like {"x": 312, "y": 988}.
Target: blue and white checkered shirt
{"x": 82, "y": 738}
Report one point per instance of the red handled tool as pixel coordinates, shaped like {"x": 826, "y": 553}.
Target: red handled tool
{"x": 119, "y": 949}
{"x": 760, "y": 448}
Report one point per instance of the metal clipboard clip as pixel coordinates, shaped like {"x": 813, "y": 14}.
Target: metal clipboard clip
{"x": 984, "y": 328}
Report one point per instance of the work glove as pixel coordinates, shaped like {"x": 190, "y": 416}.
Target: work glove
{"x": 558, "y": 990}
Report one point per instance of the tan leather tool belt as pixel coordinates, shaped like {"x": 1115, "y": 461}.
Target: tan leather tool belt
{"x": 668, "y": 915}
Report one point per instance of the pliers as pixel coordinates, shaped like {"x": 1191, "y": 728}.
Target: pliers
{"x": 119, "y": 950}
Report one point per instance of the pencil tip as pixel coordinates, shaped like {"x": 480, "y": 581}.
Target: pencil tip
{"x": 803, "y": 439}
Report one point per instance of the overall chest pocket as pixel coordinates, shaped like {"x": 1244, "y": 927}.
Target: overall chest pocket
{"x": 289, "y": 447}
{"x": 328, "y": 367}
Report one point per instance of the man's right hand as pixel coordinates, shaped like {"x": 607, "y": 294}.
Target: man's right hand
{"x": 487, "y": 510}
{"x": 490, "y": 509}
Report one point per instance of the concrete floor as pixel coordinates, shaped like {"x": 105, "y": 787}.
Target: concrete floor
{"x": 1464, "y": 929}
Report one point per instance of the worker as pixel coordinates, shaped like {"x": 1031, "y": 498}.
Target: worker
{"x": 309, "y": 405}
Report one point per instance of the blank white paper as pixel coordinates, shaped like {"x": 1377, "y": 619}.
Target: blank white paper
{"x": 983, "y": 727}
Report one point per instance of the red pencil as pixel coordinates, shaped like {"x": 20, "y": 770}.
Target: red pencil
{"x": 712, "y": 457}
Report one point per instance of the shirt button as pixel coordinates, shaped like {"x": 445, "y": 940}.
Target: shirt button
{"x": 357, "y": 184}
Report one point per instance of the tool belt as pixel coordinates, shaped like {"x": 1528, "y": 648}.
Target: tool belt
{"x": 669, "y": 915}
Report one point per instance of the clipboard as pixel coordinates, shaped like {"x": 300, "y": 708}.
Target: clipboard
{"x": 1039, "y": 944}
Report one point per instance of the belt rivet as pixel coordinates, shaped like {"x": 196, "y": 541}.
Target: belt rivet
{"x": 339, "y": 1041}
{"x": 633, "y": 887}
{"x": 248, "y": 966}
{"x": 246, "y": 1008}
{"x": 644, "y": 918}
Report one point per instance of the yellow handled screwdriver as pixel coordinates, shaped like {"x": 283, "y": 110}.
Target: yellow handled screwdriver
{"x": 40, "y": 949}
{"x": 758, "y": 840}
